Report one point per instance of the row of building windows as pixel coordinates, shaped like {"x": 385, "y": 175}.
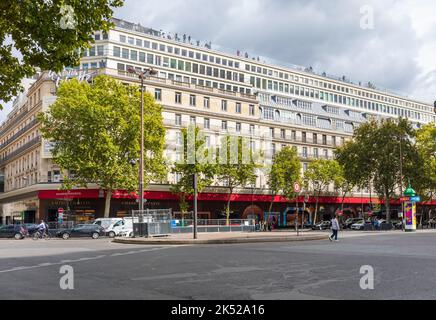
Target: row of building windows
{"x": 178, "y": 64}
{"x": 316, "y": 138}
{"x": 195, "y": 81}
{"x": 28, "y": 162}
{"x": 20, "y": 143}
{"x": 334, "y": 98}
{"x": 330, "y": 86}
{"x": 179, "y": 51}
{"x": 206, "y": 102}
{"x": 273, "y": 149}
{"x": 285, "y": 116}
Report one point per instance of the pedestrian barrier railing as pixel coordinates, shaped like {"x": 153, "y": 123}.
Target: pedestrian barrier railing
{"x": 152, "y": 222}
{"x": 213, "y": 225}
{"x": 213, "y": 222}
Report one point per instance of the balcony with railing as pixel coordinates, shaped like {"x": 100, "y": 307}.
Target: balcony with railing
{"x": 315, "y": 157}
{"x": 19, "y": 133}
{"x": 18, "y": 151}
{"x": 10, "y": 122}
{"x": 159, "y": 80}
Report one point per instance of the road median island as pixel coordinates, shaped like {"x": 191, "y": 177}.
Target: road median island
{"x": 224, "y": 238}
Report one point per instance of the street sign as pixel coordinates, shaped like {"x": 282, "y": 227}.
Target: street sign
{"x": 60, "y": 210}
{"x": 404, "y": 199}
{"x": 297, "y": 187}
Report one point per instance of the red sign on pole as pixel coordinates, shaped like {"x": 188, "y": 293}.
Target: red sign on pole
{"x": 297, "y": 187}
{"x": 60, "y": 210}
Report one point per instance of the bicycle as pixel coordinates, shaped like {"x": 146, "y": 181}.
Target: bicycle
{"x": 37, "y": 235}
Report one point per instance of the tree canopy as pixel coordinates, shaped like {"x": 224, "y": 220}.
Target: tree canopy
{"x": 319, "y": 175}
{"x": 423, "y": 164}
{"x": 96, "y": 133}
{"x": 378, "y": 153}
{"x": 46, "y": 34}
{"x": 285, "y": 171}
{"x": 193, "y": 143}
{"x": 236, "y": 168}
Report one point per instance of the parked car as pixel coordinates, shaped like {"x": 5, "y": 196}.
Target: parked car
{"x": 15, "y": 231}
{"x": 349, "y": 222}
{"x": 82, "y": 230}
{"x": 397, "y": 224}
{"x": 322, "y": 225}
{"x": 360, "y": 225}
{"x": 307, "y": 225}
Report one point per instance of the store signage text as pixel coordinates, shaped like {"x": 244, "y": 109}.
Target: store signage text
{"x": 66, "y": 75}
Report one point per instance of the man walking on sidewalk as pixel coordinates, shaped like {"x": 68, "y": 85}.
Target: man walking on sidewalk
{"x": 335, "y": 229}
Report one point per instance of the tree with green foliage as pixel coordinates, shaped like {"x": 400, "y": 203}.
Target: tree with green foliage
{"x": 194, "y": 159}
{"x": 320, "y": 174}
{"x": 47, "y": 34}
{"x": 375, "y": 150}
{"x": 285, "y": 171}
{"x": 96, "y": 133}
{"x": 236, "y": 166}
{"x": 422, "y": 167}
{"x": 353, "y": 172}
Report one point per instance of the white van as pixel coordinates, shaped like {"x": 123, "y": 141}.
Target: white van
{"x": 127, "y": 231}
{"x": 128, "y": 227}
{"x": 112, "y": 226}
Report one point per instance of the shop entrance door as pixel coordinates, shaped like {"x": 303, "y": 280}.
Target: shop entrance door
{"x": 52, "y": 215}
{"x": 29, "y": 216}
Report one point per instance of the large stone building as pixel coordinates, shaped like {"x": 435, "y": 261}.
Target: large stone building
{"x": 219, "y": 92}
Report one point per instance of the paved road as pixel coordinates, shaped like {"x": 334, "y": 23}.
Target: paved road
{"x": 404, "y": 267}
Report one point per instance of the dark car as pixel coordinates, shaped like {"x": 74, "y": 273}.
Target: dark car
{"x": 307, "y": 225}
{"x": 322, "y": 225}
{"x": 15, "y": 231}
{"x": 349, "y": 222}
{"x": 82, "y": 230}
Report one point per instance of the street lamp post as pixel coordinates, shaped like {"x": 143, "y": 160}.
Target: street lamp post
{"x": 142, "y": 75}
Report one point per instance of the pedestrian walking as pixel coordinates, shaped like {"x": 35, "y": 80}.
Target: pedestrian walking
{"x": 335, "y": 229}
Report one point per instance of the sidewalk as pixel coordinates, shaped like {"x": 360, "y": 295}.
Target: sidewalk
{"x": 226, "y": 238}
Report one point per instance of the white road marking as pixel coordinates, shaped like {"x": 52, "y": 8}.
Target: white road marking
{"x": 47, "y": 264}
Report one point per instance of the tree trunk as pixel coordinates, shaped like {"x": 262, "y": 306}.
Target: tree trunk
{"x": 342, "y": 202}
{"x": 272, "y": 202}
{"x": 107, "y": 204}
{"x": 388, "y": 209}
{"x": 228, "y": 207}
{"x": 316, "y": 209}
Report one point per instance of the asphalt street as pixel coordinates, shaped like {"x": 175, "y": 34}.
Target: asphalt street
{"x": 403, "y": 264}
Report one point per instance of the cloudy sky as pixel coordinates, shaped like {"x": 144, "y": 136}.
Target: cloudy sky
{"x": 398, "y": 53}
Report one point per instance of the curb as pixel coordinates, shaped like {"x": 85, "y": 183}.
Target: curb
{"x": 221, "y": 241}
